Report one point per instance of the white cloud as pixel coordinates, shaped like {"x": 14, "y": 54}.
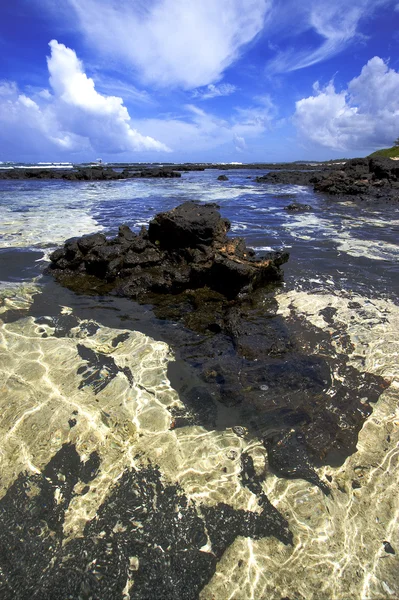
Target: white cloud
{"x": 363, "y": 117}
{"x": 187, "y": 43}
{"x": 262, "y": 114}
{"x": 214, "y": 91}
{"x": 198, "y": 130}
{"x": 124, "y": 89}
{"x": 8, "y": 88}
{"x": 74, "y": 118}
{"x": 337, "y": 23}
{"x": 239, "y": 143}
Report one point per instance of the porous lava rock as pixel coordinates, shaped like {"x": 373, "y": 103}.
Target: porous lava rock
{"x": 185, "y": 248}
{"x": 375, "y": 177}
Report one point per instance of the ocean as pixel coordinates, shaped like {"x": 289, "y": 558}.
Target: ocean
{"x": 96, "y": 485}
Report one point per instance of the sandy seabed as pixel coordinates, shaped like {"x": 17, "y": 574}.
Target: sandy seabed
{"x": 54, "y": 392}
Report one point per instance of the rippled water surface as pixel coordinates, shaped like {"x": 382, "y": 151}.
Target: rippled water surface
{"x": 115, "y": 414}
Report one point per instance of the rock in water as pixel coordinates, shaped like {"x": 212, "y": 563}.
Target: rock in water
{"x": 288, "y": 457}
{"x": 188, "y": 226}
{"x": 185, "y": 248}
{"x": 372, "y": 177}
{"x": 297, "y": 207}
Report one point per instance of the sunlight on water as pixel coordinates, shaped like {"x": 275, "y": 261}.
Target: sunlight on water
{"x": 338, "y": 549}
{"x": 344, "y": 233}
{"x": 107, "y": 390}
{"x": 121, "y": 408}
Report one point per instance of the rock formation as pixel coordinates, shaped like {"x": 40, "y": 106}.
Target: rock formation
{"x": 185, "y": 248}
{"x": 375, "y": 177}
{"x": 88, "y": 173}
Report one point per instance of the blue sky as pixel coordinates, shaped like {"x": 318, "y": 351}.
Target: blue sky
{"x": 198, "y": 80}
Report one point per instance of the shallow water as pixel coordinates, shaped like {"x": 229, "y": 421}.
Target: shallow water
{"x": 94, "y": 373}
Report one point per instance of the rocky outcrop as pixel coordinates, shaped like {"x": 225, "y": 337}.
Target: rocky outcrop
{"x": 370, "y": 177}
{"x": 366, "y": 178}
{"x": 292, "y": 177}
{"x": 185, "y": 248}
{"x": 87, "y": 174}
{"x": 223, "y": 178}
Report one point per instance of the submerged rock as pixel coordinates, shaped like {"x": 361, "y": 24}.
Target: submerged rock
{"x": 288, "y": 457}
{"x": 146, "y": 532}
{"x": 185, "y": 248}
{"x": 223, "y": 178}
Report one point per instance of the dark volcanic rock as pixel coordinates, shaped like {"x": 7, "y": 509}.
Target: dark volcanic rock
{"x": 223, "y": 178}
{"x": 146, "y": 530}
{"x": 366, "y": 177}
{"x": 363, "y": 177}
{"x": 185, "y": 248}
{"x": 188, "y": 226}
{"x": 96, "y": 173}
{"x": 288, "y": 457}
{"x": 297, "y": 207}
{"x": 290, "y": 177}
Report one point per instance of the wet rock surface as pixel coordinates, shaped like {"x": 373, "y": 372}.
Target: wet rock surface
{"x": 369, "y": 177}
{"x": 252, "y": 374}
{"x": 364, "y": 178}
{"x": 185, "y": 248}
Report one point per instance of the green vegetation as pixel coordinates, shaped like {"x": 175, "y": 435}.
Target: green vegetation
{"x": 388, "y": 152}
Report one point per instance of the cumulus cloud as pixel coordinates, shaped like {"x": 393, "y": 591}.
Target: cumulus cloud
{"x": 335, "y": 23}
{"x": 74, "y": 118}
{"x": 214, "y": 91}
{"x": 362, "y": 117}
{"x": 187, "y": 43}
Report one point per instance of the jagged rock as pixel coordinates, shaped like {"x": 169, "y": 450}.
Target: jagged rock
{"x": 368, "y": 177}
{"x": 188, "y": 226}
{"x": 185, "y": 248}
{"x": 384, "y": 168}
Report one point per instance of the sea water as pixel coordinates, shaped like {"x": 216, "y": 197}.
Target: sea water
{"x": 343, "y": 256}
